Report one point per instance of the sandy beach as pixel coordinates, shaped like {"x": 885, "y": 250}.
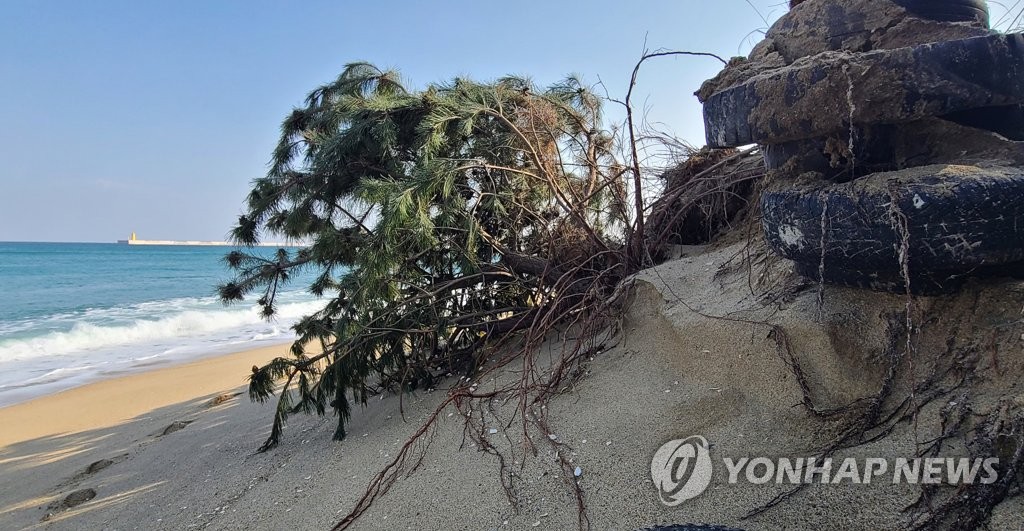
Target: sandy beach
{"x": 112, "y": 402}
{"x": 47, "y": 441}
{"x": 174, "y": 448}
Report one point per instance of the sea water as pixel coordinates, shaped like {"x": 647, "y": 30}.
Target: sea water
{"x": 71, "y": 313}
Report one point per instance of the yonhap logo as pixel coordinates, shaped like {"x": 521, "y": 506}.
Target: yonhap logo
{"x": 681, "y": 469}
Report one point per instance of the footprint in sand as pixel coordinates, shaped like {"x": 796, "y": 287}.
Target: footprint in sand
{"x": 77, "y": 498}
{"x": 81, "y": 496}
{"x": 98, "y": 465}
{"x": 220, "y": 399}
{"x": 181, "y": 424}
{"x": 72, "y": 500}
{"x": 174, "y": 426}
{"x": 93, "y": 468}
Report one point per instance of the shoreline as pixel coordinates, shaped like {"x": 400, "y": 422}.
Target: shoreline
{"x": 119, "y": 398}
{"x": 20, "y": 394}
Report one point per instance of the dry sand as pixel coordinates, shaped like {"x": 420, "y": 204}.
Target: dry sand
{"x": 112, "y": 402}
{"x": 673, "y": 373}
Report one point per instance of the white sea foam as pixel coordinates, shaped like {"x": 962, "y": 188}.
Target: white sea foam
{"x": 76, "y": 347}
{"x": 180, "y": 325}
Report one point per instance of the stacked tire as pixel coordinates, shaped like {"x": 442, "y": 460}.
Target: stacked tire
{"x": 948, "y": 10}
{"x": 845, "y": 202}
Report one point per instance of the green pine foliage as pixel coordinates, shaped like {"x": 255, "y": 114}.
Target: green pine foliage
{"x": 438, "y": 221}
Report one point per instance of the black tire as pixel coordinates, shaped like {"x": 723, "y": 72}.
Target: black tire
{"x": 921, "y": 282}
{"x": 873, "y": 152}
{"x": 881, "y": 148}
{"x": 948, "y": 10}
{"x": 863, "y": 25}
{"x": 892, "y": 86}
{"x": 961, "y": 220}
{"x": 1007, "y": 121}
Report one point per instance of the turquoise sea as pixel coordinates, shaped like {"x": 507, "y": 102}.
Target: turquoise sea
{"x": 78, "y": 312}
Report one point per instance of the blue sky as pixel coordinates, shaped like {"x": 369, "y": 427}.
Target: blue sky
{"x": 155, "y": 116}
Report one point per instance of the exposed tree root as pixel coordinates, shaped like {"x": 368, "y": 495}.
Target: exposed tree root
{"x": 588, "y": 313}
{"x": 953, "y": 377}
